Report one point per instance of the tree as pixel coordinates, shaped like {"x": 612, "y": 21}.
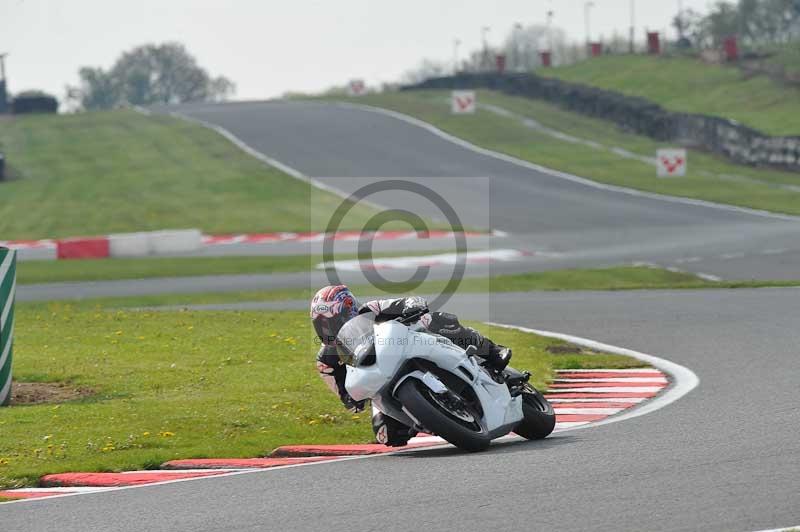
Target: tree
{"x": 150, "y": 74}
{"x": 523, "y": 45}
{"x": 722, "y": 22}
{"x": 427, "y": 68}
{"x": 692, "y": 25}
{"x": 755, "y": 22}
{"x": 97, "y": 90}
{"x": 221, "y": 89}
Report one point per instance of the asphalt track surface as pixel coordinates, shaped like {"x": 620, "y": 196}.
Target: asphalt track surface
{"x": 724, "y": 457}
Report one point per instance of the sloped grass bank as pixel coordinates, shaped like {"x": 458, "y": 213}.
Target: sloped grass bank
{"x": 708, "y": 178}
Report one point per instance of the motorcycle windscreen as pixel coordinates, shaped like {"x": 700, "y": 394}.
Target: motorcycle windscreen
{"x": 356, "y": 340}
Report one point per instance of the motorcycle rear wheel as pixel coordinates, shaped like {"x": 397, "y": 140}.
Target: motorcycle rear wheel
{"x": 458, "y": 425}
{"x": 540, "y": 418}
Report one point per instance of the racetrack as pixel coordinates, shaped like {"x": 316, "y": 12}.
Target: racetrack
{"x": 565, "y": 223}
{"x": 344, "y": 146}
{"x": 725, "y": 457}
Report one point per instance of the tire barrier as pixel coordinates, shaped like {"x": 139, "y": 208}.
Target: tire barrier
{"x": 739, "y": 143}
{"x": 8, "y": 284}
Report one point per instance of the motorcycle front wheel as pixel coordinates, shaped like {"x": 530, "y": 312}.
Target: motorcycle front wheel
{"x": 446, "y": 415}
{"x": 540, "y": 418}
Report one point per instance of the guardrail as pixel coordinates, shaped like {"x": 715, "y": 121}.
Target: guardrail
{"x": 740, "y": 143}
{"x": 8, "y": 282}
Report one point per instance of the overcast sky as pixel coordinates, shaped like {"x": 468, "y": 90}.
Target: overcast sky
{"x": 268, "y": 47}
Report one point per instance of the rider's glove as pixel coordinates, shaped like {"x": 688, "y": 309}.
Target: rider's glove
{"x": 415, "y": 305}
{"x": 352, "y": 405}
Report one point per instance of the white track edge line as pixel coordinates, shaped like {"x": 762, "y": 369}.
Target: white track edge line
{"x": 685, "y": 381}
{"x": 787, "y": 529}
{"x": 565, "y": 175}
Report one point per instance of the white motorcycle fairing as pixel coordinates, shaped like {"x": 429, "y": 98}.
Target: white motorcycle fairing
{"x": 397, "y": 346}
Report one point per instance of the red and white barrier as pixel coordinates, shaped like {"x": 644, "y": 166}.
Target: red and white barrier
{"x": 183, "y": 241}
{"x": 28, "y": 244}
{"x": 129, "y": 245}
{"x": 83, "y": 248}
{"x": 175, "y": 241}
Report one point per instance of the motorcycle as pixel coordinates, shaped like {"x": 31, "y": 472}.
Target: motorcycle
{"x": 427, "y": 382}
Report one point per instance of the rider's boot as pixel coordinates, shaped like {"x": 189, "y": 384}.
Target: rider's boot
{"x": 389, "y": 431}
{"x": 496, "y": 356}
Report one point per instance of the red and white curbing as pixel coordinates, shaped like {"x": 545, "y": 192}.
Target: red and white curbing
{"x": 341, "y": 236}
{"x": 170, "y": 242}
{"x": 579, "y": 397}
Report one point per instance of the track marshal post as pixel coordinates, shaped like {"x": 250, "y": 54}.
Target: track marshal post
{"x": 8, "y": 285}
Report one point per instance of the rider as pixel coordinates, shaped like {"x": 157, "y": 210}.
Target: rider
{"x": 333, "y": 306}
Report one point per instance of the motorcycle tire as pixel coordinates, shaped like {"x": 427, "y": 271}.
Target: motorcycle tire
{"x": 540, "y": 418}
{"x": 421, "y": 402}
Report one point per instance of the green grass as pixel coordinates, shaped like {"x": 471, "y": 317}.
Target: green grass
{"x": 119, "y": 171}
{"x": 689, "y": 85}
{"x": 616, "y": 278}
{"x": 709, "y": 178}
{"x": 188, "y": 384}
{"x": 30, "y": 272}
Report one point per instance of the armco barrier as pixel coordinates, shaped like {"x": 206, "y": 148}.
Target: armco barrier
{"x": 8, "y": 284}
{"x": 726, "y": 137}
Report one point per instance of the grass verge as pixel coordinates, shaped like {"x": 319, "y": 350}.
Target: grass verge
{"x": 691, "y": 86}
{"x": 189, "y": 384}
{"x": 617, "y": 278}
{"x": 120, "y": 171}
{"x": 708, "y": 178}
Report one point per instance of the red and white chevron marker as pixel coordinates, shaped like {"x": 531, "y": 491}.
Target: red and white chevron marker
{"x": 671, "y": 162}
{"x": 463, "y": 102}
{"x": 579, "y": 397}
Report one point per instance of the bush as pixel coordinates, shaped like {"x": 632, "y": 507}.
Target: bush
{"x": 34, "y": 102}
